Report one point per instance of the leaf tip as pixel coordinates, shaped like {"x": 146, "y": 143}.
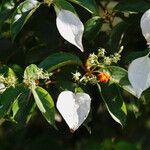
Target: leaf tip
{"x": 70, "y": 28}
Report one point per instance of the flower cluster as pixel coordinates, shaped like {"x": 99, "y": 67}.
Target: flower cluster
{"x": 31, "y": 80}
{"x": 6, "y": 82}
{"x": 96, "y": 67}
{"x": 10, "y": 81}
{"x": 101, "y": 57}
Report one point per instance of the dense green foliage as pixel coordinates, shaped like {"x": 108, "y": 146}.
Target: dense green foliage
{"x": 36, "y": 65}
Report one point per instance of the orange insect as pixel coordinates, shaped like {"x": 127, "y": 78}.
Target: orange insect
{"x": 103, "y": 77}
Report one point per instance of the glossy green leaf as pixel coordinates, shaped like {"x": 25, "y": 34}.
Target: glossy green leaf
{"x": 21, "y": 15}
{"x": 114, "y": 102}
{"x": 134, "y": 107}
{"x": 58, "y": 60}
{"x": 92, "y": 27}
{"x": 63, "y": 4}
{"x": 7, "y": 99}
{"x": 36, "y": 54}
{"x": 90, "y": 5}
{"x": 23, "y": 107}
{"x": 134, "y": 55}
{"x": 18, "y": 70}
{"x": 88, "y": 121}
{"x": 145, "y": 96}
{"x": 6, "y": 71}
{"x": 64, "y": 85}
{"x": 125, "y": 145}
{"x": 6, "y": 8}
{"x": 6, "y": 5}
{"x": 106, "y": 144}
{"x": 116, "y": 36}
{"x": 120, "y": 77}
{"x": 132, "y": 6}
{"x": 45, "y": 104}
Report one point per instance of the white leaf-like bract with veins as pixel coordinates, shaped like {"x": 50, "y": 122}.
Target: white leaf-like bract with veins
{"x": 145, "y": 25}
{"x": 2, "y": 88}
{"x": 74, "y": 108}
{"x": 139, "y": 74}
{"x": 70, "y": 27}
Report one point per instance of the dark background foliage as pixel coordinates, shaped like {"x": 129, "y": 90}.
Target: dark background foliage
{"x": 40, "y": 38}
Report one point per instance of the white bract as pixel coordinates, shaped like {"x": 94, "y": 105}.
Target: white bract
{"x": 145, "y": 25}
{"x": 70, "y": 27}
{"x": 2, "y": 88}
{"x": 74, "y": 108}
{"x": 139, "y": 74}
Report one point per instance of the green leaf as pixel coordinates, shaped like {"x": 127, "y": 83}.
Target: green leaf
{"x": 21, "y": 15}
{"x": 58, "y": 60}
{"x": 36, "y": 54}
{"x": 132, "y": 6}
{"x": 92, "y": 27}
{"x": 134, "y": 55}
{"x": 125, "y": 145}
{"x": 63, "y": 4}
{"x": 87, "y": 121}
{"x": 7, "y": 99}
{"x": 6, "y": 8}
{"x": 134, "y": 106}
{"x": 64, "y": 85}
{"x": 116, "y": 36}
{"x": 18, "y": 71}
{"x": 6, "y": 71}
{"x": 106, "y": 144}
{"x": 114, "y": 102}
{"x": 45, "y": 104}
{"x": 145, "y": 96}
{"x": 6, "y": 5}
{"x": 23, "y": 107}
{"x": 120, "y": 77}
{"x": 89, "y": 5}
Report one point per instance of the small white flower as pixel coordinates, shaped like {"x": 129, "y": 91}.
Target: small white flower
{"x": 101, "y": 52}
{"x": 84, "y": 79}
{"x": 93, "y": 79}
{"x": 107, "y": 60}
{"x": 93, "y": 58}
{"x": 74, "y": 108}
{"x": 116, "y": 57}
{"x": 76, "y": 76}
{"x": 11, "y": 81}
